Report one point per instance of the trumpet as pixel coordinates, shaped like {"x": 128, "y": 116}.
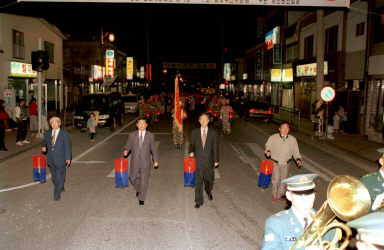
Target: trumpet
{"x": 347, "y": 199}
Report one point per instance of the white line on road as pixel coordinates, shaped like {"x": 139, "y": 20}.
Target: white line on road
{"x": 74, "y": 160}
{"x": 112, "y": 173}
{"x": 88, "y": 162}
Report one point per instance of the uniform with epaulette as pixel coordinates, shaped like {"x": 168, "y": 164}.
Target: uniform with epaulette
{"x": 375, "y": 183}
{"x": 284, "y": 228}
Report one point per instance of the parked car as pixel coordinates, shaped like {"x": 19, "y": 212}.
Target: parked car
{"x": 257, "y": 110}
{"x": 109, "y": 106}
{"x": 130, "y": 103}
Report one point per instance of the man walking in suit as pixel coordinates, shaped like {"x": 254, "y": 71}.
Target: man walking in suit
{"x": 141, "y": 144}
{"x": 204, "y": 147}
{"x": 57, "y": 146}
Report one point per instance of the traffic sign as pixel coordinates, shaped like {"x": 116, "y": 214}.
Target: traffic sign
{"x": 328, "y": 94}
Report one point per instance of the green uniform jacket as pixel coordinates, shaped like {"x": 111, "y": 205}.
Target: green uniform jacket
{"x": 374, "y": 183}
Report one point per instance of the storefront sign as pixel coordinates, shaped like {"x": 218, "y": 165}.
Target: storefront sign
{"x": 97, "y": 72}
{"x": 19, "y": 69}
{"x": 110, "y": 63}
{"x": 272, "y": 37}
{"x": 227, "y": 71}
{"x": 310, "y": 69}
{"x": 259, "y": 65}
{"x": 276, "y": 54}
{"x": 130, "y": 68}
{"x": 287, "y": 75}
{"x": 174, "y": 65}
{"x": 142, "y": 72}
{"x": 275, "y": 75}
{"x": 283, "y": 3}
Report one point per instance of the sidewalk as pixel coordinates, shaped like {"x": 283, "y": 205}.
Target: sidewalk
{"x": 349, "y": 144}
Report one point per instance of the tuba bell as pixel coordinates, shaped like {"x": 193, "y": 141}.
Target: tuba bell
{"x": 347, "y": 199}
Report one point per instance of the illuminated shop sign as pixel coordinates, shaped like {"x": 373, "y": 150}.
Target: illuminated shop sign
{"x": 19, "y": 69}
{"x": 110, "y": 63}
{"x": 310, "y": 69}
{"x": 130, "y": 68}
{"x": 272, "y": 37}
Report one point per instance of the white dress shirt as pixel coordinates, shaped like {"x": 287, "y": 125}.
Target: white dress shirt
{"x": 202, "y": 131}
{"x": 56, "y": 133}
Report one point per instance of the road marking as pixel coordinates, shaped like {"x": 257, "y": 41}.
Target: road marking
{"x": 88, "y": 162}
{"x": 112, "y": 173}
{"x": 75, "y": 159}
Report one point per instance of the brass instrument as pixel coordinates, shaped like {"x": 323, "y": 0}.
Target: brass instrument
{"x": 348, "y": 199}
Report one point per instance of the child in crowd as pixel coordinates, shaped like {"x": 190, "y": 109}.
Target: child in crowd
{"x": 336, "y": 122}
{"x": 91, "y": 125}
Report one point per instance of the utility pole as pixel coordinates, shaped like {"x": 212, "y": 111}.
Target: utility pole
{"x": 319, "y": 52}
{"x": 39, "y": 79}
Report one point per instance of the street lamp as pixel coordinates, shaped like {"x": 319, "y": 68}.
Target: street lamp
{"x": 111, "y": 38}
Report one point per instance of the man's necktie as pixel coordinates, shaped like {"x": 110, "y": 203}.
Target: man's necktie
{"x": 53, "y": 138}
{"x": 141, "y": 139}
{"x": 204, "y": 138}
{"x": 305, "y": 222}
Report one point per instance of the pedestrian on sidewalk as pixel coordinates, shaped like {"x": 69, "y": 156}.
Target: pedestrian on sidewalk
{"x": 21, "y": 113}
{"x": 141, "y": 145}
{"x": 204, "y": 147}
{"x": 91, "y": 125}
{"x": 344, "y": 118}
{"x": 281, "y": 147}
{"x": 57, "y": 146}
{"x": 33, "y": 116}
{"x": 44, "y": 121}
{"x": 336, "y": 122}
{"x": 375, "y": 184}
{"x": 3, "y": 124}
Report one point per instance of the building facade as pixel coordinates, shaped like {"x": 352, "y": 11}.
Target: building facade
{"x": 19, "y": 36}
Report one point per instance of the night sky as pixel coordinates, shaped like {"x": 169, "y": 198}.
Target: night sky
{"x": 183, "y": 33}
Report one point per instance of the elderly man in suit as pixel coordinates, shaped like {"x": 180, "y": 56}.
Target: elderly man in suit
{"x": 141, "y": 144}
{"x": 204, "y": 147}
{"x": 57, "y": 146}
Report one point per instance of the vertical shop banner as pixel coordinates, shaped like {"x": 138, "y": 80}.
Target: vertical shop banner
{"x": 259, "y": 65}
{"x": 110, "y": 63}
{"x": 130, "y": 68}
{"x": 177, "y": 115}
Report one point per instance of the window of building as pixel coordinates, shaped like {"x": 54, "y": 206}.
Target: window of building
{"x": 308, "y": 46}
{"x": 359, "y": 29}
{"x": 50, "y": 48}
{"x": 291, "y": 53}
{"x": 18, "y": 44}
{"x": 331, "y": 39}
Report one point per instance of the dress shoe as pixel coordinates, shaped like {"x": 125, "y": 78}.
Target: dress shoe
{"x": 141, "y": 203}
{"x": 197, "y": 206}
{"x": 4, "y": 149}
{"x": 210, "y": 197}
{"x": 56, "y": 199}
{"x": 273, "y": 199}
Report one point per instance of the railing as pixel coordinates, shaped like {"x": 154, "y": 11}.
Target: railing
{"x": 287, "y": 114}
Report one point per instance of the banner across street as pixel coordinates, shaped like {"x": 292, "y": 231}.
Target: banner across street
{"x": 314, "y": 3}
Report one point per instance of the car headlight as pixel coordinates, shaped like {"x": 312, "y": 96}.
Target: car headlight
{"x": 77, "y": 117}
{"x": 104, "y": 117}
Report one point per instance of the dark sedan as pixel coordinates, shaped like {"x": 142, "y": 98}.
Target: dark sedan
{"x": 258, "y": 110}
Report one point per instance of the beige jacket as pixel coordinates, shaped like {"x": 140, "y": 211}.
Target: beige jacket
{"x": 282, "y": 149}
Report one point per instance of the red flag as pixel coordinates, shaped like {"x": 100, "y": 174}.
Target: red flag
{"x": 177, "y": 115}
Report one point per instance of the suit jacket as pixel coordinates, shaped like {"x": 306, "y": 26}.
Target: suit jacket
{"x": 210, "y": 154}
{"x": 61, "y": 152}
{"x": 141, "y": 157}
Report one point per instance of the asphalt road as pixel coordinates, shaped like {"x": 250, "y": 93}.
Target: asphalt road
{"x": 93, "y": 214}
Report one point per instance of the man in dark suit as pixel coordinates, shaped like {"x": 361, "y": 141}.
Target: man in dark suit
{"x": 204, "y": 147}
{"x": 57, "y": 146}
{"x": 141, "y": 144}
